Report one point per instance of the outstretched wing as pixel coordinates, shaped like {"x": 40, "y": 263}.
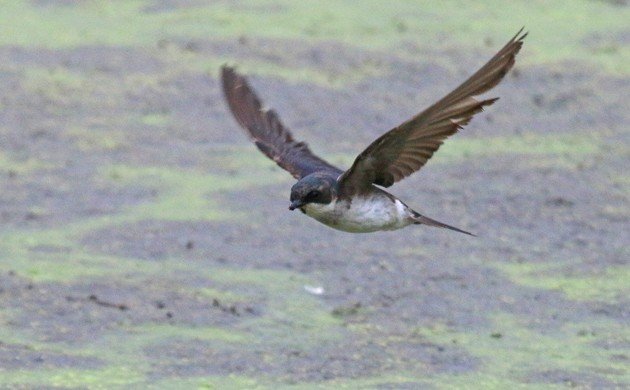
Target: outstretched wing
{"x": 266, "y": 130}
{"x": 406, "y": 148}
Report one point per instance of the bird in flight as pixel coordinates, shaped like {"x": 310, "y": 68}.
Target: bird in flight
{"x": 353, "y": 200}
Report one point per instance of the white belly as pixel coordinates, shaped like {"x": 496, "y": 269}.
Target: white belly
{"x": 362, "y": 215}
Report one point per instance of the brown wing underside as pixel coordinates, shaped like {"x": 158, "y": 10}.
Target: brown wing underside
{"x": 406, "y": 148}
{"x": 267, "y": 131}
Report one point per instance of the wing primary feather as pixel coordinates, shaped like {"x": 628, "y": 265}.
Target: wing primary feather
{"x": 382, "y": 162}
{"x": 266, "y": 130}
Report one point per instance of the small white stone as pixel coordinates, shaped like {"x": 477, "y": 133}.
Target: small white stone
{"x": 315, "y": 290}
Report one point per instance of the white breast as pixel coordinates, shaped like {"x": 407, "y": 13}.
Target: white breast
{"x": 362, "y": 215}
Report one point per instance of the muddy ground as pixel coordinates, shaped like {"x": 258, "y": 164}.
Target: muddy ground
{"x": 145, "y": 242}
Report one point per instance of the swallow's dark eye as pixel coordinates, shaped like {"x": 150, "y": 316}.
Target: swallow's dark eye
{"x": 313, "y": 194}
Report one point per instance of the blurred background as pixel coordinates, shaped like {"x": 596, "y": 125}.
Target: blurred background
{"x": 144, "y": 241}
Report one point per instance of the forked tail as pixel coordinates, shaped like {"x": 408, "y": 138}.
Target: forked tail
{"x": 422, "y": 220}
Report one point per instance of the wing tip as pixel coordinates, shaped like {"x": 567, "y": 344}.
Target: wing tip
{"x": 520, "y": 35}
{"x": 517, "y": 42}
{"x": 228, "y": 77}
{"x": 489, "y": 102}
{"x": 227, "y": 68}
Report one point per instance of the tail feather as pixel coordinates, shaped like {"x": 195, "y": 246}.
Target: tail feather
{"x": 422, "y": 220}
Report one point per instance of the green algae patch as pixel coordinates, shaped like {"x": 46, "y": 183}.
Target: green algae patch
{"x": 566, "y": 150}
{"x": 241, "y": 382}
{"x": 123, "y": 351}
{"x": 184, "y": 195}
{"x": 88, "y": 140}
{"x": 29, "y": 25}
{"x": 608, "y": 285}
{"x": 58, "y": 80}
{"x": 77, "y": 266}
{"x": 222, "y": 295}
{"x": 527, "y": 144}
{"x": 512, "y": 352}
{"x": 288, "y": 317}
{"x": 238, "y": 160}
{"x": 54, "y": 254}
{"x": 163, "y": 176}
{"x": 213, "y": 382}
{"x": 385, "y": 380}
{"x": 156, "y": 119}
{"x": 182, "y": 60}
{"x": 151, "y": 333}
{"x": 71, "y": 89}
{"x": 21, "y": 166}
{"x": 291, "y": 317}
{"x": 107, "y": 377}
{"x": 54, "y": 240}
{"x": 375, "y": 24}
{"x": 560, "y": 30}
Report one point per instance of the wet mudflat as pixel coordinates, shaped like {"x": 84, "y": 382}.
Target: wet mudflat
{"x": 145, "y": 242}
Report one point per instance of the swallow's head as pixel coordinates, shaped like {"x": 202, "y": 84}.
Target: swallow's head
{"x": 314, "y": 188}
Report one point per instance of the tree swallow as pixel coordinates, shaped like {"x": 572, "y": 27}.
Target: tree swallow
{"x": 353, "y": 201}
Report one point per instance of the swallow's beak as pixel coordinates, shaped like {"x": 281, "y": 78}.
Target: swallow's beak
{"x": 296, "y": 204}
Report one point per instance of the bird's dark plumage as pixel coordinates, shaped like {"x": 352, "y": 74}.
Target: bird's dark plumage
{"x": 349, "y": 200}
{"x": 267, "y": 131}
{"x": 406, "y": 148}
